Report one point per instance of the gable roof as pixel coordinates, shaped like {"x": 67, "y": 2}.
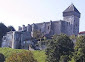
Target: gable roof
{"x": 71, "y": 8}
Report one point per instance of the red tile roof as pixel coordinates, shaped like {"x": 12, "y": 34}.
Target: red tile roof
{"x": 83, "y": 32}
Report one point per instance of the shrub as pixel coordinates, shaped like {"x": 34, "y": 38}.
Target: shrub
{"x": 2, "y": 59}
{"x": 37, "y": 54}
{"x": 21, "y": 57}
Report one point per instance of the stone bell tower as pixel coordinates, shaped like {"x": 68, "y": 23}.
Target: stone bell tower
{"x": 72, "y": 16}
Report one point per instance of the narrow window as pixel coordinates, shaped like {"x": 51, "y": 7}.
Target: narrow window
{"x": 40, "y": 30}
{"x": 48, "y": 27}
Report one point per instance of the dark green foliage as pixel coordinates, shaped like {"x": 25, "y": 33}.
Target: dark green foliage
{"x": 52, "y": 52}
{"x": 11, "y": 28}
{"x": 2, "y": 59}
{"x": 64, "y": 58}
{"x": 65, "y": 44}
{"x": 60, "y": 46}
{"x": 21, "y": 57}
{"x": 3, "y": 30}
{"x": 79, "y": 54}
{"x": 73, "y": 37}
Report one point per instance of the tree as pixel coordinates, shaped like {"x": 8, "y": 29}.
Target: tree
{"x": 3, "y": 30}
{"x": 52, "y": 53}
{"x": 79, "y": 54}
{"x": 58, "y": 47}
{"x": 11, "y": 28}
{"x": 73, "y": 37}
{"x": 2, "y": 58}
{"x": 54, "y": 36}
{"x": 21, "y": 57}
{"x": 64, "y": 58}
{"x": 37, "y": 34}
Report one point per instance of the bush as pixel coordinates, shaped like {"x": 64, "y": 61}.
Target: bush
{"x": 2, "y": 59}
{"x": 37, "y": 54}
{"x": 21, "y": 57}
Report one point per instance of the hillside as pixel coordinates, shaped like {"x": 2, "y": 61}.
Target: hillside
{"x": 39, "y": 55}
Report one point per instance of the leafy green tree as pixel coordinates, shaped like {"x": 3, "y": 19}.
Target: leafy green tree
{"x": 3, "y": 30}
{"x": 11, "y": 28}
{"x": 54, "y": 36}
{"x": 2, "y": 58}
{"x": 73, "y": 37}
{"x": 37, "y": 34}
{"x": 64, "y": 58}
{"x": 61, "y": 45}
{"x": 21, "y": 57}
{"x": 79, "y": 54}
{"x": 52, "y": 52}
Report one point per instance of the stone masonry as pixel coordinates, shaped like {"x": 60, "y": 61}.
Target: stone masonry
{"x": 69, "y": 25}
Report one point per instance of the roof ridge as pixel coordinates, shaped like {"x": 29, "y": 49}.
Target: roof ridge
{"x": 71, "y": 8}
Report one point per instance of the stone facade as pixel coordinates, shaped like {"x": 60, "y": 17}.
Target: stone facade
{"x": 16, "y": 39}
{"x": 69, "y": 25}
{"x": 72, "y": 15}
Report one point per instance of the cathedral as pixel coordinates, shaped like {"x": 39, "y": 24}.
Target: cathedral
{"x": 21, "y": 38}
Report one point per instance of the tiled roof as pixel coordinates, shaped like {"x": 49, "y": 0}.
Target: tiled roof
{"x": 82, "y": 32}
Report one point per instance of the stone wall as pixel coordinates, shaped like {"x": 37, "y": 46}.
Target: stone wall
{"x": 7, "y": 40}
{"x": 56, "y": 27}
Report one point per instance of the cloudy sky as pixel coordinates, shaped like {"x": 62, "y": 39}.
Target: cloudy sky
{"x": 19, "y": 12}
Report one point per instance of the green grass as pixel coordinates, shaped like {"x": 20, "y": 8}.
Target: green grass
{"x": 39, "y": 55}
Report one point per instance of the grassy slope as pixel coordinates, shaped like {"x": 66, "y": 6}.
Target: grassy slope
{"x": 39, "y": 55}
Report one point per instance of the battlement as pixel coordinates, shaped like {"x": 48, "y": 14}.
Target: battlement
{"x": 22, "y": 38}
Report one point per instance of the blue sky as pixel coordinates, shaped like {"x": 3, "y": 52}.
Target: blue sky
{"x": 19, "y": 12}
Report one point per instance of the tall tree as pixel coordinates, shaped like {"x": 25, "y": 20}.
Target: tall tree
{"x": 3, "y": 30}
{"x": 79, "y": 54}
{"x": 58, "y": 47}
{"x": 11, "y": 28}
